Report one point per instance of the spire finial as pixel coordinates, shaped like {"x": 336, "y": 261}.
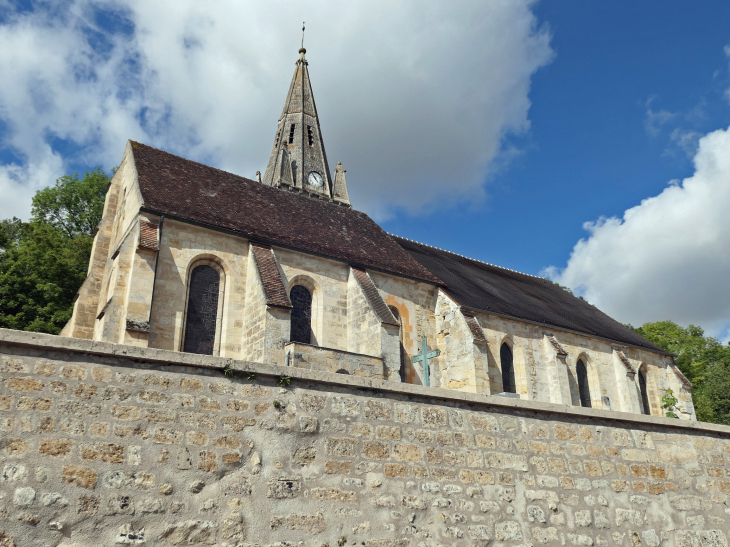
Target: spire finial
{"x": 302, "y": 51}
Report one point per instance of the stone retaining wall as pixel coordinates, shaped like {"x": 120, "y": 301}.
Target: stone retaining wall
{"x": 105, "y": 444}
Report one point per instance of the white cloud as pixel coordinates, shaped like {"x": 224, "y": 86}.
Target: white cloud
{"x": 667, "y": 258}
{"x": 656, "y": 119}
{"x": 414, "y": 98}
{"x": 686, "y": 141}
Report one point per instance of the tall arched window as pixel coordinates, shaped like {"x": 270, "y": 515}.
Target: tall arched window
{"x": 508, "y": 369}
{"x": 645, "y": 408}
{"x": 202, "y": 314}
{"x": 301, "y": 315}
{"x": 583, "y": 389}
{"x": 402, "y": 370}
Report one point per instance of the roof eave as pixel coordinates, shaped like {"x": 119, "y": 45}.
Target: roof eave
{"x": 564, "y": 329}
{"x": 274, "y": 243}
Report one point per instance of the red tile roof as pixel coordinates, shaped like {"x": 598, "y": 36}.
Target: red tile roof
{"x": 270, "y": 277}
{"x": 373, "y": 297}
{"x": 476, "y": 330}
{"x": 148, "y": 235}
{"x": 196, "y": 193}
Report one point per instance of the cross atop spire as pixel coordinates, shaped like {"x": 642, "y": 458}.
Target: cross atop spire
{"x": 298, "y": 160}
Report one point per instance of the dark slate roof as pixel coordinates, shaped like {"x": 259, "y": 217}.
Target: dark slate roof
{"x": 491, "y": 289}
{"x": 190, "y": 191}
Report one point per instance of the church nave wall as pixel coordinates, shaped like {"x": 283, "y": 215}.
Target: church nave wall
{"x": 327, "y": 280}
{"x": 415, "y": 302}
{"x": 610, "y": 384}
{"x": 181, "y": 247}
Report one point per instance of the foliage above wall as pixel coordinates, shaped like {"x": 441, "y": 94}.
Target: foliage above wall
{"x": 703, "y": 360}
{"x": 43, "y": 262}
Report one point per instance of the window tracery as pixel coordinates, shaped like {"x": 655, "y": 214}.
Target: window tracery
{"x": 202, "y": 311}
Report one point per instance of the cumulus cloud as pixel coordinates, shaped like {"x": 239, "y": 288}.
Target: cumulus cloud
{"x": 666, "y": 258}
{"x": 685, "y": 140}
{"x": 415, "y": 99}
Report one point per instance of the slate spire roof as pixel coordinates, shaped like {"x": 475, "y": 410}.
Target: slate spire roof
{"x": 298, "y": 158}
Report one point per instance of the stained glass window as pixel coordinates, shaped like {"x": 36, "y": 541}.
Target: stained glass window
{"x": 508, "y": 370}
{"x": 646, "y": 409}
{"x": 301, "y": 315}
{"x": 202, "y": 316}
{"x": 584, "y": 390}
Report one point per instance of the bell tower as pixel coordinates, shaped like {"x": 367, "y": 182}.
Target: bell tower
{"x": 298, "y": 160}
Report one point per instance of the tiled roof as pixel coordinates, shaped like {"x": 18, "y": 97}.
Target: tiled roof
{"x": 270, "y": 277}
{"x": 148, "y": 235}
{"x": 476, "y": 330}
{"x": 373, "y": 297}
{"x": 189, "y": 191}
{"x": 491, "y": 289}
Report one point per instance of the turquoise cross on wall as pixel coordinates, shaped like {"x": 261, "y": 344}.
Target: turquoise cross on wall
{"x": 424, "y": 356}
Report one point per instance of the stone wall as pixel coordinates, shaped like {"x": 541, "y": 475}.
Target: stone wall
{"x": 335, "y": 361}
{"x": 105, "y": 444}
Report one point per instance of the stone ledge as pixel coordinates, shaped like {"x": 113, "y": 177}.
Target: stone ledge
{"x": 49, "y": 342}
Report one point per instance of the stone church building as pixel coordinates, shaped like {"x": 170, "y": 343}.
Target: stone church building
{"x": 283, "y": 270}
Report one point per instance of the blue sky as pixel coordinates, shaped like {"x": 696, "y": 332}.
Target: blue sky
{"x": 567, "y": 139}
{"x": 588, "y": 153}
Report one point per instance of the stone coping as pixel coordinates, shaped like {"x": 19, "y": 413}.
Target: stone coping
{"x": 49, "y": 342}
{"x": 324, "y": 348}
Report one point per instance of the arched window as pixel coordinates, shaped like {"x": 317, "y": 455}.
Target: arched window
{"x": 645, "y": 408}
{"x": 583, "y": 389}
{"x": 301, "y": 315}
{"x": 402, "y": 370}
{"x": 508, "y": 369}
{"x": 202, "y": 314}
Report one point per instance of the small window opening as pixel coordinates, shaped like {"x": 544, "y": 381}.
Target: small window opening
{"x": 278, "y": 134}
{"x": 508, "y": 370}
{"x": 309, "y": 135}
{"x": 291, "y": 133}
{"x": 646, "y": 409}
{"x": 583, "y": 389}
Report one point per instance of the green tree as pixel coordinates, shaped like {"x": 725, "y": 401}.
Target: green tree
{"x": 705, "y": 362}
{"x": 44, "y": 261}
{"x": 72, "y": 205}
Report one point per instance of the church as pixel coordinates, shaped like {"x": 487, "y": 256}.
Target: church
{"x": 284, "y": 270}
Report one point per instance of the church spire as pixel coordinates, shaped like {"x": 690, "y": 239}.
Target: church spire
{"x": 298, "y": 159}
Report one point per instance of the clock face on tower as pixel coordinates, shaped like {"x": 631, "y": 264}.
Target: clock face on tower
{"x": 315, "y": 179}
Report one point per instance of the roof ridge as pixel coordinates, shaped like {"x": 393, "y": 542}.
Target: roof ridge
{"x": 469, "y": 258}
{"x": 296, "y": 191}
{"x": 191, "y": 161}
